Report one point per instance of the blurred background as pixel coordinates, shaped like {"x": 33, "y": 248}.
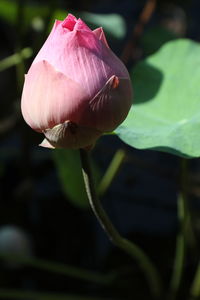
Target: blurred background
{"x": 50, "y": 242}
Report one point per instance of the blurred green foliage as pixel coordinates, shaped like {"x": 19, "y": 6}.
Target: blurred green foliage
{"x": 33, "y": 14}
{"x": 8, "y": 12}
{"x": 153, "y": 38}
{"x": 68, "y": 166}
{"x": 15, "y": 59}
{"x": 20, "y": 294}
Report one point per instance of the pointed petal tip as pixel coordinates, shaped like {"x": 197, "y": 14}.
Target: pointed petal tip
{"x": 69, "y": 22}
{"x": 56, "y": 23}
{"x": 45, "y": 143}
{"x": 101, "y": 35}
{"x": 81, "y": 26}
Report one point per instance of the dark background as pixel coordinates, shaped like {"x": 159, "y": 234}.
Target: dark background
{"x": 37, "y": 216}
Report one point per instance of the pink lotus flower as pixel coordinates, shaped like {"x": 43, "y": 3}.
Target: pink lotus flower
{"x": 76, "y": 88}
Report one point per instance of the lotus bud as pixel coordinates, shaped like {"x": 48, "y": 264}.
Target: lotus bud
{"x": 76, "y": 88}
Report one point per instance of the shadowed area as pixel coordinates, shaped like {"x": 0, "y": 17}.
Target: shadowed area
{"x": 144, "y": 74}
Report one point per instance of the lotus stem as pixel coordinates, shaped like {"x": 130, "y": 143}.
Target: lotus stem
{"x": 127, "y": 246}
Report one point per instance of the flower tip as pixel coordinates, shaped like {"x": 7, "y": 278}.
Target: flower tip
{"x": 69, "y": 22}
{"x": 81, "y": 26}
{"x": 56, "y": 23}
{"x": 45, "y": 143}
{"x": 101, "y": 35}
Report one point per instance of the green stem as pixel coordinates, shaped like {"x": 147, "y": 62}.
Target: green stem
{"x": 187, "y": 220}
{"x": 195, "y": 288}
{"x": 15, "y": 59}
{"x": 179, "y": 259}
{"x": 111, "y": 172}
{"x": 20, "y": 294}
{"x": 61, "y": 269}
{"x": 133, "y": 250}
{"x": 185, "y": 236}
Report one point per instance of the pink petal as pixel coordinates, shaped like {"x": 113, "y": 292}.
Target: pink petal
{"x": 110, "y": 106}
{"x": 69, "y": 22}
{"x": 76, "y": 55}
{"x": 81, "y": 56}
{"x": 100, "y": 35}
{"x": 81, "y": 26}
{"x": 50, "y": 98}
{"x": 57, "y": 22}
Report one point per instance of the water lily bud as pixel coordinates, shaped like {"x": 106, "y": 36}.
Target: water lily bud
{"x": 76, "y": 88}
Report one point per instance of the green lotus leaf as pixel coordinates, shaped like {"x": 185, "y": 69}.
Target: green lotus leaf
{"x": 166, "y": 111}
